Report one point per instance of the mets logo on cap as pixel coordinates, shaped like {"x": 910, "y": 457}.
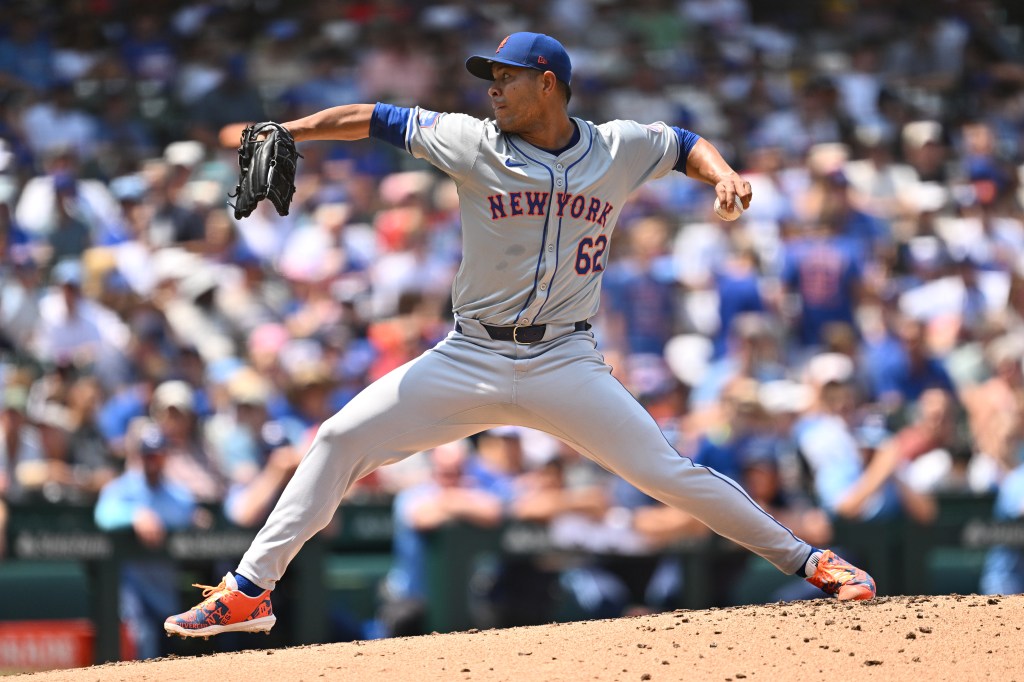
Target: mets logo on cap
{"x": 502, "y": 44}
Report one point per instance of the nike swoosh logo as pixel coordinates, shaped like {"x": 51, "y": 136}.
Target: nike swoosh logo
{"x": 513, "y": 164}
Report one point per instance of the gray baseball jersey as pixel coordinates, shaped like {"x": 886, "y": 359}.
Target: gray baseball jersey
{"x": 536, "y": 226}
{"x": 535, "y": 230}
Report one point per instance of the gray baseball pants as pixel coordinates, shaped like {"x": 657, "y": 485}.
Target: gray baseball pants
{"x": 469, "y": 383}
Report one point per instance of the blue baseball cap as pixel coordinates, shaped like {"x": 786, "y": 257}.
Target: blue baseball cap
{"x": 531, "y": 50}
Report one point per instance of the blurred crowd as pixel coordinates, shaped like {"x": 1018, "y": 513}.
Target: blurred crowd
{"x": 848, "y": 349}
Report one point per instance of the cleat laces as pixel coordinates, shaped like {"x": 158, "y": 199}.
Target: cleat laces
{"x": 210, "y": 593}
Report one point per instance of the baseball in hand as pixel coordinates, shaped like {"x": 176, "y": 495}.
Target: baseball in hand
{"x": 732, "y": 212}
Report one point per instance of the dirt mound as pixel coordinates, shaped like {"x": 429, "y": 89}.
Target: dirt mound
{"x": 895, "y": 638}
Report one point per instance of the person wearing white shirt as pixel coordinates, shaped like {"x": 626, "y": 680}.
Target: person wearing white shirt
{"x": 75, "y": 327}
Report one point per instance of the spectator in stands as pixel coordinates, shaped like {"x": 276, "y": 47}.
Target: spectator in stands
{"x": 624, "y": 571}
{"x": 775, "y": 482}
{"x": 976, "y": 304}
{"x": 57, "y": 122}
{"x": 397, "y": 67}
{"x": 246, "y": 296}
{"x": 188, "y": 461}
{"x": 925, "y": 149}
{"x": 499, "y": 461}
{"x": 544, "y": 495}
{"x": 87, "y": 442}
{"x": 145, "y": 501}
{"x": 81, "y": 463}
{"x": 20, "y": 293}
{"x": 741, "y": 288}
{"x": 753, "y": 351}
{"x": 641, "y": 304}
{"x": 70, "y": 236}
{"x": 450, "y": 496}
{"x": 774, "y": 179}
{"x": 174, "y": 221}
{"x": 130, "y": 399}
{"x": 929, "y": 55}
{"x": 813, "y": 119}
{"x": 764, "y": 480}
{"x": 54, "y": 469}
{"x": 823, "y": 270}
{"x": 309, "y": 384}
{"x": 249, "y": 503}
{"x": 931, "y": 448}
{"x": 148, "y": 49}
{"x": 19, "y": 441}
{"x": 278, "y": 64}
{"x": 543, "y": 486}
{"x": 26, "y": 54}
{"x": 124, "y": 137}
{"x": 73, "y": 326}
{"x": 830, "y": 201}
{"x": 880, "y": 184}
{"x": 330, "y": 79}
{"x": 854, "y": 474}
{"x": 1004, "y": 566}
{"x": 901, "y": 373}
{"x": 742, "y": 435}
{"x": 995, "y": 410}
{"x": 258, "y": 454}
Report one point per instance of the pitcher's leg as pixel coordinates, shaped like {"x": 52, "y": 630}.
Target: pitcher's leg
{"x": 425, "y": 403}
{"x": 591, "y": 410}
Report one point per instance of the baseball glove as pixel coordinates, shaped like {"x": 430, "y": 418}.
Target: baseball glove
{"x": 267, "y": 161}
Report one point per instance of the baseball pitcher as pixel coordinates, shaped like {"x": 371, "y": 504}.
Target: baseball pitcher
{"x": 540, "y": 192}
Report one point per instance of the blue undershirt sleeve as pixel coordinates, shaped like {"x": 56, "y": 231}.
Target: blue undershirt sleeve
{"x": 686, "y": 142}
{"x": 388, "y": 123}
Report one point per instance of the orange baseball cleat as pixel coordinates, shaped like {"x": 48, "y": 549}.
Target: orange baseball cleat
{"x": 836, "y": 576}
{"x": 224, "y": 608}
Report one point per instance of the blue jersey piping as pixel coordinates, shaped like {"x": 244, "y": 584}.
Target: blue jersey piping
{"x": 544, "y": 235}
{"x": 558, "y": 239}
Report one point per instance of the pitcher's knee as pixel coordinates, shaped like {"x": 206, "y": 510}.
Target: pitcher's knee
{"x": 341, "y": 438}
{"x": 336, "y": 437}
{"x": 331, "y": 432}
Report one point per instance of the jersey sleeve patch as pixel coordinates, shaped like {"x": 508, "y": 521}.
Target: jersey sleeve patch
{"x": 427, "y": 119}
{"x": 389, "y": 123}
{"x": 450, "y": 142}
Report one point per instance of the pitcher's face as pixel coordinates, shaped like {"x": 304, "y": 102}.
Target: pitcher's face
{"x": 515, "y": 97}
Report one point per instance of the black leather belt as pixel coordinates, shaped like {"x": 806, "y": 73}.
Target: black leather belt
{"x": 522, "y": 334}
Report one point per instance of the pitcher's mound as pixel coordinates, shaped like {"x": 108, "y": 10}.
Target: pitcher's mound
{"x": 890, "y": 638}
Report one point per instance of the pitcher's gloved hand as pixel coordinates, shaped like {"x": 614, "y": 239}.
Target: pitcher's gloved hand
{"x": 267, "y": 161}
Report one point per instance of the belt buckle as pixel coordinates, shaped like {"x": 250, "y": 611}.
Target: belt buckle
{"x": 515, "y": 339}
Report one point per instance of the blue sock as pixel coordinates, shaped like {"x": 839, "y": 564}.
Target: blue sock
{"x": 811, "y": 564}
{"x": 247, "y": 587}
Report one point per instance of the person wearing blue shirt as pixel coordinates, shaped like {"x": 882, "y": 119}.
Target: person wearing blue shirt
{"x": 641, "y": 291}
{"x": 449, "y": 496}
{"x": 1004, "y": 566}
{"x": 143, "y": 500}
{"x": 902, "y": 372}
{"x": 498, "y": 462}
{"x": 26, "y": 54}
{"x": 753, "y": 351}
{"x": 738, "y": 283}
{"x": 853, "y": 463}
{"x": 825, "y": 271}
{"x": 742, "y": 437}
